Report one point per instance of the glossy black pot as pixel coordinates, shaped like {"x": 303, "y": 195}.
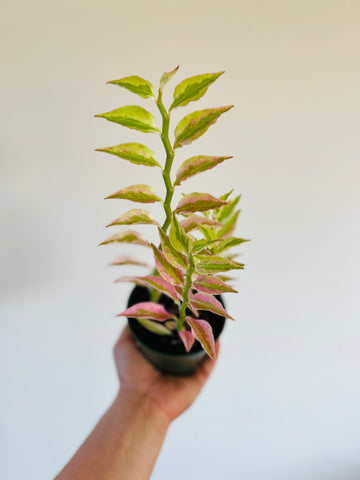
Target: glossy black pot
{"x": 167, "y": 352}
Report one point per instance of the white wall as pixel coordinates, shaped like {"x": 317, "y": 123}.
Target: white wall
{"x": 284, "y": 400}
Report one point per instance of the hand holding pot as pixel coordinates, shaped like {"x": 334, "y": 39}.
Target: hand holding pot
{"x": 173, "y": 395}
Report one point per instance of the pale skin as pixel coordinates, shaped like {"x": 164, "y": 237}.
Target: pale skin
{"x": 126, "y": 442}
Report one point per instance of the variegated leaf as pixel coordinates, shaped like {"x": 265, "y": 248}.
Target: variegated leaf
{"x": 177, "y": 259}
{"x": 227, "y": 210}
{"x": 165, "y": 77}
{"x": 203, "y": 243}
{"x": 166, "y": 270}
{"x": 204, "y": 301}
{"x": 198, "y": 202}
{"x": 129, "y": 236}
{"x": 193, "y": 221}
{"x": 135, "y": 84}
{"x": 208, "y": 232}
{"x": 155, "y": 327}
{"x": 215, "y": 264}
{"x": 212, "y": 285}
{"x": 132, "y": 116}
{"x": 135, "y": 216}
{"x": 187, "y": 338}
{"x": 178, "y": 237}
{"x": 137, "y": 193}
{"x": 150, "y": 310}
{"x": 193, "y": 88}
{"x": 229, "y": 226}
{"x": 194, "y": 165}
{"x": 228, "y": 242}
{"x": 151, "y": 281}
{"x": 127, "y": 260}
{"x": 202, "y": 331}
{"x": 195, "y": 124}
{"x": 134, "y": 152}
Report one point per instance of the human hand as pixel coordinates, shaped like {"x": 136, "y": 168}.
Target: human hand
{"x": 173, "y": 394}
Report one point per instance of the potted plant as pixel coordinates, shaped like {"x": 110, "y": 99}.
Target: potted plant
{"x": 176, "y": 313}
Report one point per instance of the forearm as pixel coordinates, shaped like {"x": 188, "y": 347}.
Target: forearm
{"x": 124, "y": 444}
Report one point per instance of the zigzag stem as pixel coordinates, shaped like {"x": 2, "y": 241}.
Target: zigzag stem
{"x": 169, "y": 161}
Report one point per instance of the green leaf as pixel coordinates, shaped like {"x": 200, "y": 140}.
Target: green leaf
{"x": 228, "y": 242}
{"x": 198, "y": 202}
{"x": 229, "y": 225}
{"x": 166, "y": 270}
{"x": 194, "y": 165}
{"x": 134, "y": 152}
{"x": 154, "y": 327}
{"x": 135, "y": 216}
{"x": 195, "y": 124}
{"x": 193, "y": 88}
{"x": 227, "y": 210}
{"x": 176, "y": 258}
{"x": 165, "y": 77}
{"x": 132, "y": 116}
{"x": 178, "y": 237}
{"x": 129, "y": 236}
{"x": 136, "y": 85}
{"x": 137, "y": 193}
{"x": 215, "y": 264}
{"x": 199, "y": 245}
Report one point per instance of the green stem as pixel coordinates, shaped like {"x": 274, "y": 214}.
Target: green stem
{"x": 187, "y": 287}
{"x": 169, "y": 161}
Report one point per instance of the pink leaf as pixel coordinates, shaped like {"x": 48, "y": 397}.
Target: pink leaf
{"x": 187, "y": 338}
{"x": 202, "y": 331}
{"x": 193, "y": 221}
{"x": 151, "y": 310}
{"x": 166, "y": 270}
{"x": 212, "y": 285}
{"x": 199, "y": 202}
{"x": 195, "y": 165}
{"x": 130, "y": 236}
{"x": 127, "y": 260}
{"x": 203, "y": 301}
{"x": 137, "y": 193}
{"x": 153, "y": 282}
{"x": 135, "y": 216}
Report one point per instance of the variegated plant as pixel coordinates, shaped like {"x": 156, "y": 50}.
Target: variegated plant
{"x": 196, "y": 235}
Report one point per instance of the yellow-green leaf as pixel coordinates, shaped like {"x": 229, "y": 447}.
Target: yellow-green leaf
{"x": 137, "y": 193}
{"x": 195, "y": 124}
{"x": 134, "y": 152}
{"x": 176, "y": 258}
{"x": 136, "y": 85}
{"x": 135, "y": 216}
{"x": 216, "y": 264}
{"x": 198, "y": 202}
{"x": 178, "y": 237}
{"x": 194, "y": 165}
{"x": 193, "y": 88}
{"x": 165, "y": 77}
{"x": 166, "y": 270}
{"x": 132, "y": 116}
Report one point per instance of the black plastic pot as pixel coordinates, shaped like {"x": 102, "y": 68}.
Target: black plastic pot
{"x": 167, "y": 352}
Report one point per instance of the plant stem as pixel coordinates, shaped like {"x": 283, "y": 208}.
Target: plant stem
{"x": 168, "y": 163}
{"x": 187, "y": 287}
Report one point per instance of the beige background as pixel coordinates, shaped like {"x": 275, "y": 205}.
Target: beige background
{"x": 284, "y": 400}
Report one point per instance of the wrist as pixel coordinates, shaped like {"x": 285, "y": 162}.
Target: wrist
{"x": 141, "y": 406}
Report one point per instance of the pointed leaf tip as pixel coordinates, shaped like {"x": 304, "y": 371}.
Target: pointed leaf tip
{"x": 196, "y": 124}
{"x": 193, "y": 88}
{"x": 136, "y": 193}
{"x": 202, "y": 331}
{"x": 150, "y": 310}
{"x": 135, "y": 84}
{"x": 132, "y": 116}
{"x": 198, "y": 202}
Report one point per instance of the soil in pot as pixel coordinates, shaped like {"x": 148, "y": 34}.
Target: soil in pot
{"x": 167, "y": 352}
